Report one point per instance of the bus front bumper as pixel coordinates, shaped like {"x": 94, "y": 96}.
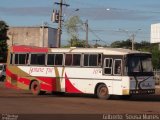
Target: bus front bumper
{"x": 143, "y": 91}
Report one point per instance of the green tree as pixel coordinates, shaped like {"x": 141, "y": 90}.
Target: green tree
{"x": 3, "y": 41}
{"x": 72, "y": 26}
{"x": 122, "y": 44}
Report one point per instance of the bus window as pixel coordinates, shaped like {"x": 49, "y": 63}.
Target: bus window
{"x": 108, "y": 62}
{"x": 37, "y": 59}
{"x": 99, "y": 59}
{"x": 50, "y": 59}
{"x": 76, "y": 59}
{"x": 117, "y": 67}
{"x": 73, "y": 59}
{"x": 91, "y": 60}
{"x": 55, "y": 59}
{"x": 20, "y": 59}
{"x": 139, "y": 64}
{"x": 11, "y": 58}
{"x": 86, "y": 58}
{"x": 68, "y": 59}
{"x": 59, "y": 59}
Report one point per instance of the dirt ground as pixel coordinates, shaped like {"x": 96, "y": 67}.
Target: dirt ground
{"x": 23, "y": 102}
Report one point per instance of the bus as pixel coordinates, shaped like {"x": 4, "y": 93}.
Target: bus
{"x": 100, "y": 71}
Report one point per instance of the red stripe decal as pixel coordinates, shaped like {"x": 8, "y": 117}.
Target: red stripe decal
{"x": 69, "y": 87}
{"x": 48, "y": 80}
{"x": 47, "y": 87}
{"x": 24, "y": 48}
{"x": 51, "y": 83}
{"x": 24, "y": 81}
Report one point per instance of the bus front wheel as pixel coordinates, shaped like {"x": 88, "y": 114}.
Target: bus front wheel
{"x": 102, "y": 92}
{"x": 35, "y": 88}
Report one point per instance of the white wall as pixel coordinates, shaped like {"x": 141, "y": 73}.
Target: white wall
{"x": 155, "y": 33}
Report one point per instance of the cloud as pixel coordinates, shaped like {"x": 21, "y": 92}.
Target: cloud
{"x": 26, "y": 11}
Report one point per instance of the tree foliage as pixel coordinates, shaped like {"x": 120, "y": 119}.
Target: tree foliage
{"x": 3, "y": 41}
{"x": 72, "y": 26}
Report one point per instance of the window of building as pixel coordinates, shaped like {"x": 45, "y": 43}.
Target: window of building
{"x": 37, "y": 59}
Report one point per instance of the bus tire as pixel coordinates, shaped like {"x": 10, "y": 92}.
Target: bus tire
{"x": 102, "y": 92}
{"x": 35, "y": 88}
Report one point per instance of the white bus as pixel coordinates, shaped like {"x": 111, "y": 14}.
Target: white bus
{"x": 100, "y": 71}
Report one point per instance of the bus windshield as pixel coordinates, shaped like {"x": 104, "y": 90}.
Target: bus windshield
{"x": 139, "y": 64}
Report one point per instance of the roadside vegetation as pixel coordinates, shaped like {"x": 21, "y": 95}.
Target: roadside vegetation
{"x": 3, "y": 41}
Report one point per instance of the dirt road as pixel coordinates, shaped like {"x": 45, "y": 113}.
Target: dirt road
{"x": 23, "y": 102}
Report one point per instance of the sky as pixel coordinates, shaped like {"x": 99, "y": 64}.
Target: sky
{"x": 109, "y": 20}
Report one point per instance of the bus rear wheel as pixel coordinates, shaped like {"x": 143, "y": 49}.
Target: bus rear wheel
{"x": 102, "y": 92}
{"x": 35, "y": 88}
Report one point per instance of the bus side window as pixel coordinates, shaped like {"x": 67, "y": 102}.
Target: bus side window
{"x": 68, "y": 59}
{"x": 117, "y": 66}
{"x": 20, "y": 58}
{"x": 108, "y": 63}
{"x": 27, "y": 59}
{"x": 11, "y": 58}
{"x": 99, "y": 59}
{"x": 76, "y": 59}
{"x": 92, "y": 60}
{"x": 58, "y": 59}
{"x": 37, "y": 59}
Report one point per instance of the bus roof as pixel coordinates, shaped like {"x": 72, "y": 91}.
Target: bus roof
{"x": 108, "y": 51}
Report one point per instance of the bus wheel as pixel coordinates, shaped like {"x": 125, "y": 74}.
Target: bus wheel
{"x": 35, "y": 88}
{"x": 102, "y": 92}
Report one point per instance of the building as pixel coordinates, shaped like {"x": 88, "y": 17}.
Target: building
{"x": 155, "y": 33}
{"x": 42, "y": 36}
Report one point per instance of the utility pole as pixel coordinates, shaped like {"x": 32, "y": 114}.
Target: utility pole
{"x": 61, "y": 4}
{"x": 133, "y": 37}
{"x": 96, "y": 43}
{"x": 42, "y": 34}
{"x": 86, "y": 26}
